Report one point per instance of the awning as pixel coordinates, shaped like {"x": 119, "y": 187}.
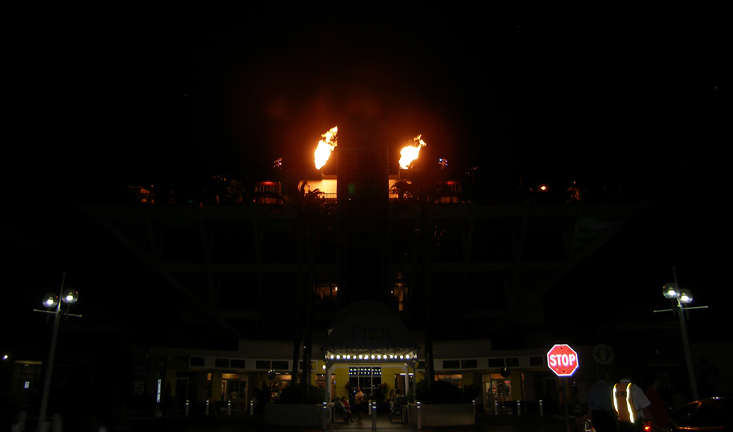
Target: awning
{"x": 367, "y": 335}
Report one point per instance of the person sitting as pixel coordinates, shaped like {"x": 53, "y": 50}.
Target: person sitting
{"x": 345, "y": 409}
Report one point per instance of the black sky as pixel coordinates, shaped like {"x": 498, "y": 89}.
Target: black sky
{"x": 162, "y": 95}
{"x": 111, "y": 97}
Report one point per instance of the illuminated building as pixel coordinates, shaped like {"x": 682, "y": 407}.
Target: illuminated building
{"x": 470, "y": 275}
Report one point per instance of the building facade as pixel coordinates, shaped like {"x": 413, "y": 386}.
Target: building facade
{"x": 276, "y": 273}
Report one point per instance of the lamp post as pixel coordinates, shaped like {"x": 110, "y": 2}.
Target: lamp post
{"x": 51, "y": 301}
{"x": 683, "y": 297}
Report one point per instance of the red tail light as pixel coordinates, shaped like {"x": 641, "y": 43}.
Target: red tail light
{"x": 647, "y": 427}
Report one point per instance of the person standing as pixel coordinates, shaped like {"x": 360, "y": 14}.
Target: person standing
{"x": 359, "y": 403}
{"x": 600, "y": 403}
{"x": 631, "y": 405}
{"x": 661, "y": 416}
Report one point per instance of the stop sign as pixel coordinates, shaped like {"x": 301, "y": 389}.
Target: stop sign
{"x": 563, "y": 360}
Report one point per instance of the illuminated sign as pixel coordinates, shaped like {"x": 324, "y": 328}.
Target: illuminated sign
{"x": 562, "y": 360}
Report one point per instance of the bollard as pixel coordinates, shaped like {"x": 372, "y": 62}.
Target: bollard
{"x": 419, "y": 418}
{"x": 374, "y": 415}
{"x": 251, "y": 407}
{"x": 542, "y": 413}
{"x": 325, "y": 415}
{"x": 474, "y": 406}
{"x": 519, "y": 407}
{"x": 207, "y": 407}
{"x": 229, "y": 407}
{"x": 186, "y": 406}
{"x": 496, "y": 407}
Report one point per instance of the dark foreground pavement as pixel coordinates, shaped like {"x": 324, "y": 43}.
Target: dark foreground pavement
{"x": 246, "y": 423}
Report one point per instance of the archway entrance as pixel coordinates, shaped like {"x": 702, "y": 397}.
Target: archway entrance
{"x": 368, "y": 338}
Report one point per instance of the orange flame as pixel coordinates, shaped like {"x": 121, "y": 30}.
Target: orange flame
{"x": 326, "y": 146}
{"x": 410, "y": 153}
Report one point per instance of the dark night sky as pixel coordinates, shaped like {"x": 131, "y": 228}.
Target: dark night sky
{"x": 107, "y": 98}
{"x": 161, "y": 96}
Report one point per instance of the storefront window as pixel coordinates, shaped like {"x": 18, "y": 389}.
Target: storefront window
{"x": 368, "y": 378}
{"x": 326, "y": 294}
{"x": 280, "y": 383}
{"x": 455, "y": 379}
{"x": 497, "y": 389}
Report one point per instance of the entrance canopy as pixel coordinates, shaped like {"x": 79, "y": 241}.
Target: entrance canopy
{"x": 365, "y": 333}
{"x": 368, "y": 332}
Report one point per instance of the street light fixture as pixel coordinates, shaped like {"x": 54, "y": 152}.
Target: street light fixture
{"x": 51, "y": 301}
{"x": 671, "y": 291}
{"x": 70, "y": 296}
{"x": 683, "y": 297}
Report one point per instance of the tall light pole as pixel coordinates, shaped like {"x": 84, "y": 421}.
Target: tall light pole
{"x": 683, "y": 297}
{"x": 69, "y": 297}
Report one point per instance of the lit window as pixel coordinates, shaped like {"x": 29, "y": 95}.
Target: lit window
{"x": 400, "y": 295}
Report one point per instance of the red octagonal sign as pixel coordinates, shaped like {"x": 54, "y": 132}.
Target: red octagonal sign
{"x": 563, "y": 360}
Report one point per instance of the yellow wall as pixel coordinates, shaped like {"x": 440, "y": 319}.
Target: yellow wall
{"x": 317, "y": 370}
{"x": 516, "y": 378}
{"x": 388, "y": 376}
{"x": 216, "y": 385}
{"x": 419, "y": 376}
{"x": 467, "y": 379}
{"x": 342, "y": 377}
